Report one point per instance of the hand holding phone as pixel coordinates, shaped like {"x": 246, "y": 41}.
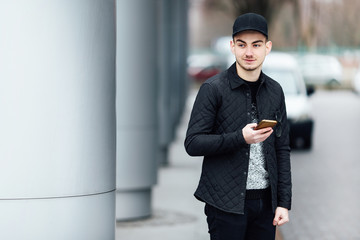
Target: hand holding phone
{"x": 251, "y": 135}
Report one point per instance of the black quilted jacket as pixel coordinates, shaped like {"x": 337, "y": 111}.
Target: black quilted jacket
{"x": 221, "y": 109}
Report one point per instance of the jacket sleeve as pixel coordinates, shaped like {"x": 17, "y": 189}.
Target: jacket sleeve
{"x": 283, "y": 159}
{"x": 200, "y": 137}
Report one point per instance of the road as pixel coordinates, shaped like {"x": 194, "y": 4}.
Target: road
{"x": 326, "y": 179}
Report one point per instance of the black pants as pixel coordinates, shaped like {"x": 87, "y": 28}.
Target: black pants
{"x": 254, "y": 224}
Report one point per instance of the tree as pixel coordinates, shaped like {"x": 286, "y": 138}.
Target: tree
{"x": 266, "y": 8}
{"x": 270, "y": 9}
{"x": 305, "y": 23}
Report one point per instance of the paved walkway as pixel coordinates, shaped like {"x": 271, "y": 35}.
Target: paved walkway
{"x": 177, "y": 214}
{"x": 326, "y": 180}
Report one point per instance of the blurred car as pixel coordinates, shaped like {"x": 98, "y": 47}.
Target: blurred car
{"x": 284, "y": 68}
{"x": 356, "y": 82}
{"x": 321, "y": 70}
{"x": 202, "y": 66}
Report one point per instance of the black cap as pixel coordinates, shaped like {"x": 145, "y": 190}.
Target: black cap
{"x": 250, "y": 21}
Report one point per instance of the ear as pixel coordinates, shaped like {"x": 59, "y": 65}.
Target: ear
{"x": 268, "y": 46}
{"x": 232, "y": 46}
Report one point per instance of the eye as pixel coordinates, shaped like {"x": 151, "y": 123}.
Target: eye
{"x": 257, "y": 45}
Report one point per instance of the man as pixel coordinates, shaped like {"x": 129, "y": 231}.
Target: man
{"x": 246, "y": 179}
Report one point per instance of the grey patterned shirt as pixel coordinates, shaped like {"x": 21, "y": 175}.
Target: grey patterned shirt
{"x": 258, "y": 176}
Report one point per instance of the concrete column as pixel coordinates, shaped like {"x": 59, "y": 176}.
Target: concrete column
{"x": 179, "y": 56}
{"x": 137, "y": 141}
{"x": 57, "y": 106}
{"x": 173, "y": 78}
{"x": 166, "y": 133}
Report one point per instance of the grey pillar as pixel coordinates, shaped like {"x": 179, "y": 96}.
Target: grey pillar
{"x": 166, "y": 133}
{"x": 180, "y": 52}
{"x": 137, "y": 142}
{"x": 173, "y": 78}
{"x": 57, "y": 105}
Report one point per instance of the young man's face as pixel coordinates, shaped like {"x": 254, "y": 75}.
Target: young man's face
{"x": 250, "y": 49}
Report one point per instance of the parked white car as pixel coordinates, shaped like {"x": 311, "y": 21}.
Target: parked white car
{"x": 356, "y": 82}
{"x": 321, "y": 70}
{"x": 284, "y": 68}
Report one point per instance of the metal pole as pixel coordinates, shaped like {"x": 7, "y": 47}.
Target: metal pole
{"x": 57, "y": 104}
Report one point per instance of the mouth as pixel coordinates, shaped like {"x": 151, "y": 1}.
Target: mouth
{"x": 249, "y": 61}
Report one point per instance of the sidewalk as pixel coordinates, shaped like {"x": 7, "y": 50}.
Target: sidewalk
{"x": 177, "y": 215}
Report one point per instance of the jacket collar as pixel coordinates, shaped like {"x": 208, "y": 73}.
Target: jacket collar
{"x": 236, "y": 81}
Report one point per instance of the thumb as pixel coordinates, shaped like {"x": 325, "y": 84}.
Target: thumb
{"x": 252, "y": 125}
{"x": 275, "y": 222}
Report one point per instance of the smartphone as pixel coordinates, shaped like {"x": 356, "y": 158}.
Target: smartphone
{"x": 265, "y": 123}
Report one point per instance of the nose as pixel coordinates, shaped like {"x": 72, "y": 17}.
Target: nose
{"x": 249, "y": 51}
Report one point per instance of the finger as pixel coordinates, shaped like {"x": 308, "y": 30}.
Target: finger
{"x": 268, "y": 133}
{"x": 264, "y": 136}
{"x": 265, "y": 130}
{"x": 252, "y": 125}
{"x": 282, "y": 221}
{"x": 275, "y": 223}
{"x": 276, "y": 218}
